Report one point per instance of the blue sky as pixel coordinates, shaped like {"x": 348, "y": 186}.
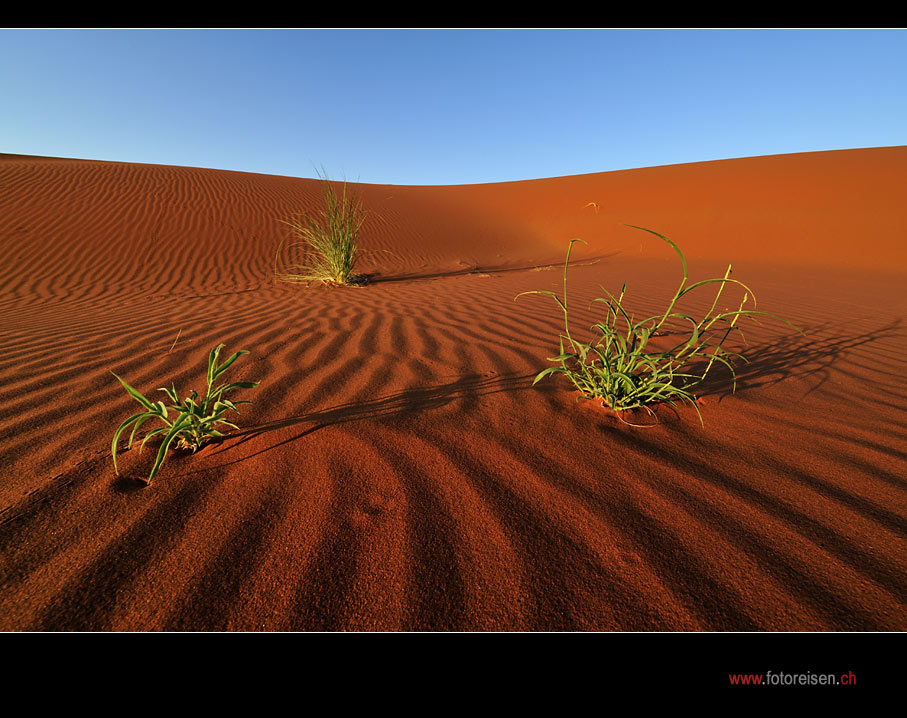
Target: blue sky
{"x": 447, "y": 106}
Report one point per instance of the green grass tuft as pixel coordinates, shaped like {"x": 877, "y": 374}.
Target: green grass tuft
{"x": 194, "y": 421}
{"x": 619, "y": 367}
{"x": 326, "y": 243}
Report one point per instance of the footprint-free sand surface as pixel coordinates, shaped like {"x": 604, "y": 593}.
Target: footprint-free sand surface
{"x": 398, "y": 471}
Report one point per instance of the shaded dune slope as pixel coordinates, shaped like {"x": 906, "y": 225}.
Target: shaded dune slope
{"x": 398, "y": 470}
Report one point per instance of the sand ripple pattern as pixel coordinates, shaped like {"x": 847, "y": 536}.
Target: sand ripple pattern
{"x": 397, "y": 470}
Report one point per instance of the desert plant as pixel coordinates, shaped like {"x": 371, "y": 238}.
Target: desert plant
{"x": 194, "y": 422}
{"x": 618, "y": 365}
{"x": 329, "y": 240}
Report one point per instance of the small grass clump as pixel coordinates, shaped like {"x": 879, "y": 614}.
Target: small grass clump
{"x": 194, "y": 422}
{"x": 328, "y": 240}
{"x": 619, "y": 367}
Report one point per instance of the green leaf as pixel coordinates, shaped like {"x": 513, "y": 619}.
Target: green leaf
{"x": 238, "y": 385}
{"x": 171, "y": 394}
{"x": 212, "y": 362}
{"x": 226, "y": 365}
{"x": 544, "y": 373}
{"x": 155, "y": 432}
{"x": 134, "y": 394}
{"x": 116, "y": 436}
{"x": 165, "y": 445}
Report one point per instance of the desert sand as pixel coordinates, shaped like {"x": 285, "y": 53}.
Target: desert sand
{"x": 398, "y": 471}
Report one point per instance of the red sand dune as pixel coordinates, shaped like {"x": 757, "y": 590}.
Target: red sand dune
{"x": 397, "y": 470}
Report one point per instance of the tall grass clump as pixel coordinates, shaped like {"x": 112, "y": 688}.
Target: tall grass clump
{"x": 190, "y": 422}
{"x": 326, "y": 241}
{"x": 619, "y": 367}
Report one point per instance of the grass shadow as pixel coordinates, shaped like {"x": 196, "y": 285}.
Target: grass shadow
{"x": 403, "y": 403}
{"x": 378, "y": 278}
{"x": 812, "y": 354}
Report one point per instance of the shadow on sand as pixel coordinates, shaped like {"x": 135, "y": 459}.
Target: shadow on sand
{"x": 408, "y": 402}
{"x": 813, "y": 355}
{"x": 377, "y": 278}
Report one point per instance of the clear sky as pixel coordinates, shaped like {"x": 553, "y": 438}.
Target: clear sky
{"x": 447, "y": 106}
